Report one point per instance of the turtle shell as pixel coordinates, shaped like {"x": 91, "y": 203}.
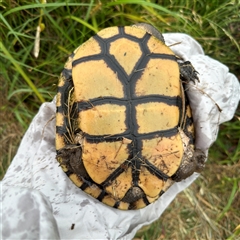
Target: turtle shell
{"x": 120, "y": 112}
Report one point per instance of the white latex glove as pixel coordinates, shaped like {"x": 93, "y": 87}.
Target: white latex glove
{"x": 40, "y": 202}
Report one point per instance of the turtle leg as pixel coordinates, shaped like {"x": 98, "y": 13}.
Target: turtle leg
{"x": 187, "y": 72}
{"x": 189, "y": 165}
{"x": 71, "y": 156}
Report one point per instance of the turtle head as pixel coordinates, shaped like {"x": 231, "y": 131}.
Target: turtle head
{"x": 151, "y": 30}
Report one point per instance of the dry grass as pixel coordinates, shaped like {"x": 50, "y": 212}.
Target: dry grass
{"x": 11, "y": 132}
{"x": 199, "y": 211}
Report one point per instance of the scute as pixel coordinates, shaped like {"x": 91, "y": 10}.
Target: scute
{"x": 160, "y": 76}
{"x": 135, "y": 32}
{"x": 105, "y": 119}
{"x": 156, "y": 46}
{"x": 108, "y": 32}
{"x": 127, "y": 58}
{"x": 91, "y": 47}
{"x": 103, "y": 158}
{"x": 78, "y": 182}
{"x": 102, "y": 82}
{"x": 93, "y": 190}
{"x": 149, "y": 183}
{"x": 155, "y": 116}
{"x": 165, "y": 153}
{"x": 120, "y": 185}
{"x": 121, "y": 108}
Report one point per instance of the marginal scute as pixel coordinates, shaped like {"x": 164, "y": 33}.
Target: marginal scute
{"x": 78, "y": 182}
{"x": 59, "y": 119}
{"x": 188, "y": 112}
{"x": 93, "y": 190}
{"x": 108, "y": 32}
{"x": 139, "y": 204}
{"x": 135, "y": 31}
{"x": 190, "y": 129}
{"x": 58, "y": 99}
{"x": 152, "y": 199}
{"x": 109, "y": 200}
{"x": 123, "y": 205}
{"x": 68, "y": 64}
{"x": 60, "y": 142}
{"x": 61, "y": 81}
{"x": 157, "y": 46}
{"x": 64, "y": 168}
{"x": 90, "y": 47}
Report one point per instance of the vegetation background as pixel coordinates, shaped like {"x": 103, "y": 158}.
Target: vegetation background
{"x": 210, "y": 208}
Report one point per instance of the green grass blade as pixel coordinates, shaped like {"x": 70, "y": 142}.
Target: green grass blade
{"x": 41, "y": 5}
{"x": 20, "y": 70}
{"x": 11, "y": 30}
{"x": 231, "y": 197}
{"x": 147, "y": 5}
{"x": 83, "y": 23}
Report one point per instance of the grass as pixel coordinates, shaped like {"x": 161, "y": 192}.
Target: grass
{"x": 209, "y": 209}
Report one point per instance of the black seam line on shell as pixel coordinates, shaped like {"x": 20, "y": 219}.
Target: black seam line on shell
{"x": 63, "y": 108}
{"x": 143, "y": 59}
{"x": 114, "y": 65}
{"x": 60, "y": 109}
{"x": 122, "y": 34}
{"x": 72, "y": 55}
{"x": 64, "y": 91}
{"x": 117, "y": 68}
{"x": 68, "y": 173}
{"x": 101, "y": 195}
{"x": 135, "y": 162}
{"x": 171, "y": 101}
{"x": 85, "y": 185}
{"x": 88, "y": 58}
{"x": 145, "y": 200}
{"x": 161, "y": 193}
{"x": 189, "y": 122}
{"x": 67, "y": 74}
{"x": 116, "y": 205}
{"x": 115, "y": 174}
{"x": 61, "y": 130}
{"x": 163, "y": 56}
{"x": 111, "y": 61}
{"x": 141, "y": 136}
{"x": 102, "y": 43}
{"x": 155, "y": 171}
{"x": 98, "y": 56}
{"x": 162, "y": 133}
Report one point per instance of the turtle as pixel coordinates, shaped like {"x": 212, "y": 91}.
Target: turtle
{"x": 124, "y": 128}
